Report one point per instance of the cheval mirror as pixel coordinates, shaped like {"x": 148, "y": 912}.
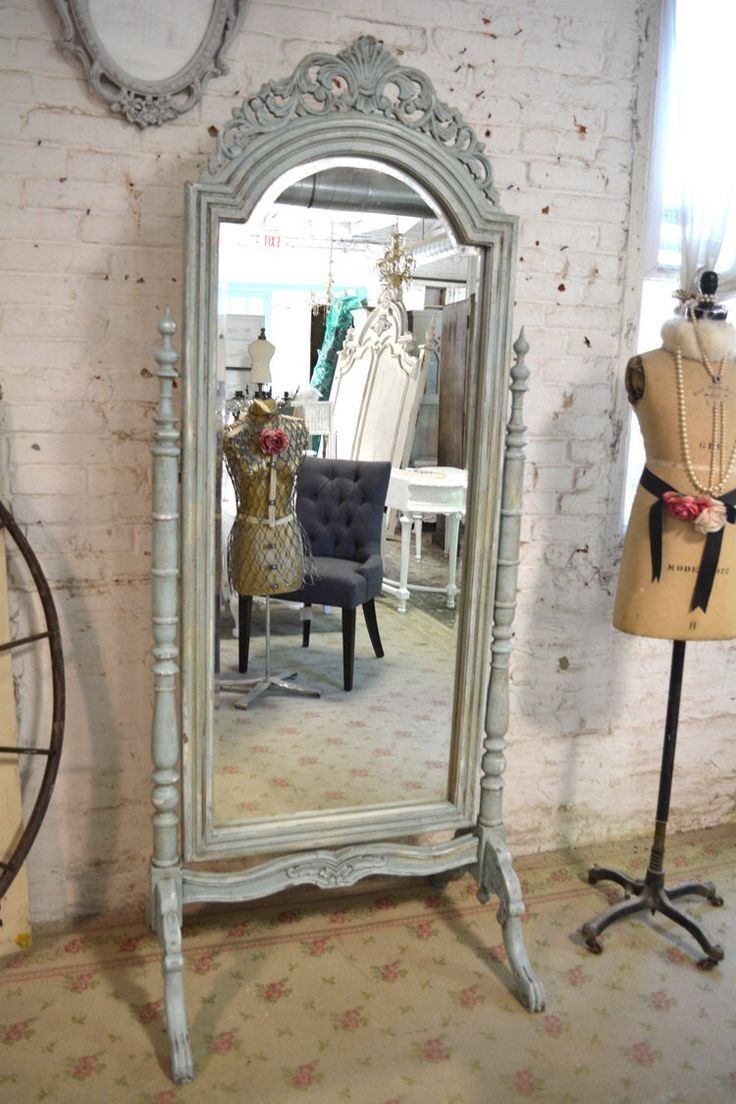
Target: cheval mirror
{"x": 346, "y": 198}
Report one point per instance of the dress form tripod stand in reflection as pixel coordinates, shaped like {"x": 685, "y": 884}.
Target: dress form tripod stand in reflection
{"x": 651, "y": 892}
{"x": 257, "y": 687}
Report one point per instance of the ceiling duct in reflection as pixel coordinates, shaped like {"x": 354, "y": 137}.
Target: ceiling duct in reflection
{"x": 350, "y": 189}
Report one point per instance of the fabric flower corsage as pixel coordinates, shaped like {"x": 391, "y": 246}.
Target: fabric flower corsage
{"x": 272, "y": 442}
{"x": 707, "y": 514}
{"x": 712, "y": 518}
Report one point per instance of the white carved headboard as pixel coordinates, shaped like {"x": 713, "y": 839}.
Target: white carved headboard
{"x": 379, "y": 381}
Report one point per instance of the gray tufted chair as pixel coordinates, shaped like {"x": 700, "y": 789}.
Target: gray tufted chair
{"x": 340, "y": 505}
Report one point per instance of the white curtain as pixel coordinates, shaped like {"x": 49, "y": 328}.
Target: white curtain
{"x": 696, "y": 144}
{"x": 657, "y": 160}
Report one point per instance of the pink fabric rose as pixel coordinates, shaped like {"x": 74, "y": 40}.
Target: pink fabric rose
{"x": 272, "y": 442}
{"x": 684, "y": 507}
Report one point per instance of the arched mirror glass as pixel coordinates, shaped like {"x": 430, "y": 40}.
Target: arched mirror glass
{"x": 359, "y": 279}
{"x": 354, "y": 358}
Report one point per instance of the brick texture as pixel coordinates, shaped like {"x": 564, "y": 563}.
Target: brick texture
{"x": 91, "y": 230}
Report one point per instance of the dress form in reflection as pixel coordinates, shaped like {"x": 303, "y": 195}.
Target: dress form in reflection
{"x": 263, "y": 451}
{"x": 266, "y": 555}
{"x": 261, "y": 353}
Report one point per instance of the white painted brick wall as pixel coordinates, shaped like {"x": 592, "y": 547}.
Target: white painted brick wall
{"x": 91, "y": 232}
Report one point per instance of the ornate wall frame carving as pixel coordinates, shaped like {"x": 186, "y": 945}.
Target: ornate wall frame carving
{"x": 148, "y": 102}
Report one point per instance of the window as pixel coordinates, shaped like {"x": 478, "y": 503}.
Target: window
{"x": 692, "y": 202}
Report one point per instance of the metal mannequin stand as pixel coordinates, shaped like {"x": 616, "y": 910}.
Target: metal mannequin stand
{"x": 256, "y": 687}
{"x": 651, "y": 892}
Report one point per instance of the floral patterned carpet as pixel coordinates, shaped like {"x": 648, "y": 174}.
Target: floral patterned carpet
{"x": 394, "y": 996}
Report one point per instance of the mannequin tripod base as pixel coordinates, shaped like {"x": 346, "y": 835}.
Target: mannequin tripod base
{"x": 257, "y": 687}
{"x": 651, "y": 893}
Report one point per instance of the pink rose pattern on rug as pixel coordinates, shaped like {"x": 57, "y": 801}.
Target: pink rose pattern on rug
{"x": 396, "y": 996}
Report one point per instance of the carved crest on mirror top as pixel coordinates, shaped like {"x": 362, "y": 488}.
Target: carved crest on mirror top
{"x": 357, "y": 106}
{"x": 364, "y": 78}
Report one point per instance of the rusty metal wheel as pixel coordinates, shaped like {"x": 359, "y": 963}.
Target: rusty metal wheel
{"x": 52, "y": 752}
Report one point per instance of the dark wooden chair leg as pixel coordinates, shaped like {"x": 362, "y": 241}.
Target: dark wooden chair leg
{"x": 371, "y": 623}
{"x": 245, "y": 613}
{"x": 348, "y": 647}
{"x": 306, "y": 627}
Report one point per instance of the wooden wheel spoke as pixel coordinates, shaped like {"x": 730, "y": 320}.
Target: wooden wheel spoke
{"x": 24, "y": 751}
{"x": 52, "y": 754}
{"x": 23, "y": 640}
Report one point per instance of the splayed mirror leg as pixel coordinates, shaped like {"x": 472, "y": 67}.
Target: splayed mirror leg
{"x": 496, "y": 875}
{"x": 167, "y": 921}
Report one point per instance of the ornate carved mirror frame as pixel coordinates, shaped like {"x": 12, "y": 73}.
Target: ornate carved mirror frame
{"x": 359, "y": 106}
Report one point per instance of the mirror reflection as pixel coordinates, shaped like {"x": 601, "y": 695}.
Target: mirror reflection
{"x": 345, "y": 320}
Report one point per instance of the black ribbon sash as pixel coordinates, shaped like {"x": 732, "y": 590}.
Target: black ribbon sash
{"x": 713, "y": 541}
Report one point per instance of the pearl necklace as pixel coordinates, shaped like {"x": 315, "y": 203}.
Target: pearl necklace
{"x": 718, "y": 440}
{"x": 715, "y": 376}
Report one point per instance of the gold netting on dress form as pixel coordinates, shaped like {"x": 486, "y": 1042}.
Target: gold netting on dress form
{"x": 266, "y": 548}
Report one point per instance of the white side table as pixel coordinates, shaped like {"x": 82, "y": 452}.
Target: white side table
{"x": 416, "y": 492}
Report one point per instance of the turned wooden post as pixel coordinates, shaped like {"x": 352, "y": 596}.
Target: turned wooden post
{"x": 165, "y": 571}
{"x": 497, "y": 710}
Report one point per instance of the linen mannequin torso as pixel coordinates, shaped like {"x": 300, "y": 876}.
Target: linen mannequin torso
{"x": 662, "y": 607}
{"x": 266, "y": 554}
{"x": 261, "y": 353}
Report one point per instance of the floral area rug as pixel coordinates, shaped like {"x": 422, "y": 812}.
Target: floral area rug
{"x": 398, "y": 996}
{"x": 385, "y": 741}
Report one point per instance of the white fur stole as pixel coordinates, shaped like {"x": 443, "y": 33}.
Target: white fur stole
{"x": 717, "y": 338}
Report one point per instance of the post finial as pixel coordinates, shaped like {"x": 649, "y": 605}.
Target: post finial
{"x": 166, "y": 323}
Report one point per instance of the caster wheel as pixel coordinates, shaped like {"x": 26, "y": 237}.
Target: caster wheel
{"x": 592, "y": 941}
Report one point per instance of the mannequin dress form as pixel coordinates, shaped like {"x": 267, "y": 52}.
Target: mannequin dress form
{"x": 263, "y": 451}
{"x": 678, "y": 566}
{"x": 261, "y": 353}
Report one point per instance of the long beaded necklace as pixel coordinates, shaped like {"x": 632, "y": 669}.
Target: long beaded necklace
{"x": 718, "y": 437}
{"x": 715, "y": 376}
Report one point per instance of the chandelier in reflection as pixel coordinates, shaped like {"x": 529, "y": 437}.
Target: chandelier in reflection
{"x": 322, "y": 300}
{"x": 396, "y": 266}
